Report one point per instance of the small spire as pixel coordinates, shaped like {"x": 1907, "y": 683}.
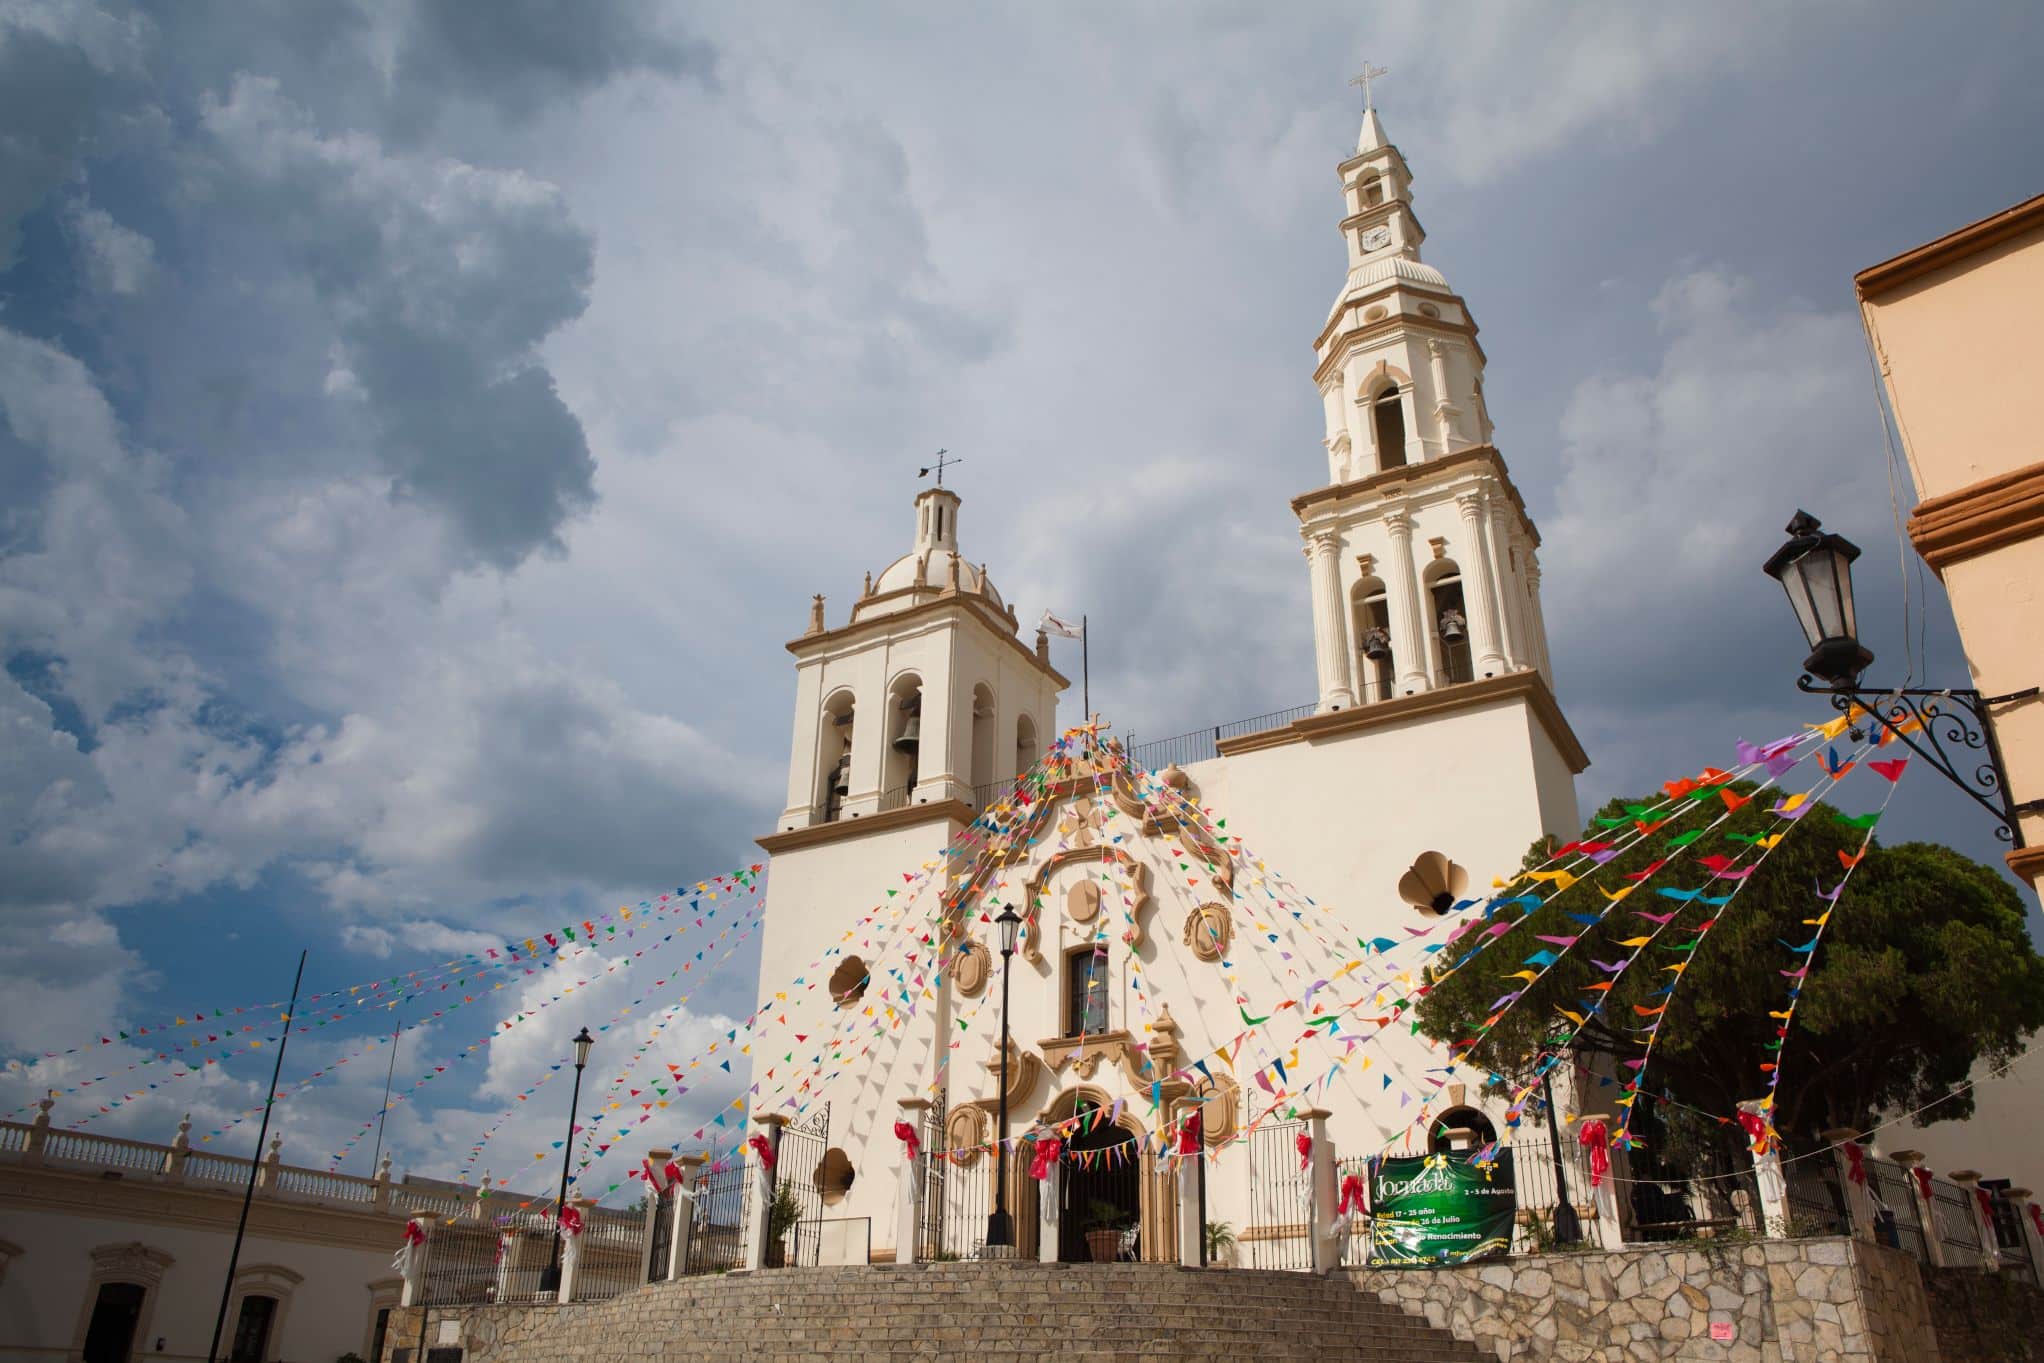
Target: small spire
{"x": 1372, "y": 137}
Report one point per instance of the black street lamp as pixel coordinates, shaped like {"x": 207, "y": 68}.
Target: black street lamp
{"x": 1815, "y": 569}
{"x": 1000, "y": 1231}
{"x": 1568, "y": 1227}
{"x": 550, "y": 1281}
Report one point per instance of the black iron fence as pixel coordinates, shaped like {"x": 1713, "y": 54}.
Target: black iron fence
{"x": 1897, "y": 1223}
{"x": 956, "y": 1199}
{"x": 716, "y": 1242}
{"x": 660, "y": 1250}
{"x": 1280, "y": 1201}
{"x": 1198, "y": 745}
{"x": 1816, "y": 1195}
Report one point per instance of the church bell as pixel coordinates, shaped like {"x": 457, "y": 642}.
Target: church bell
{"x": 1376, "y": 645}
{"x": 911, "y": 735}
{"x": 1454, "y": 628}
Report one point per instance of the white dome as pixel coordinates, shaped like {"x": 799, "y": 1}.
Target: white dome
{"x": 936, "y": 574}
{"x": 1416, "y": 272}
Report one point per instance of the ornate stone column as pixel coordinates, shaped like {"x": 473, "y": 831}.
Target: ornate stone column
{"x": 1330, "y": 629}
{"x": 1536, "y": 623}
{"x": 1482, "y": 586}
{"x": 1190, "y": 1229}
{"x": 1048, "y": 1194}
{"x": 1926, "y": 1210}
{"x": 1512, "y": 626}
{"x": 1402, "y": 601}
{"x": 1447, "y": 416}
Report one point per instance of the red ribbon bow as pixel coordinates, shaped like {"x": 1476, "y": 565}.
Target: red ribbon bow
{"x": 1047, "y": 1149}
{"x": 1756, "y": 1131}
{"x": 906, "y": 1134}
{"x": 1922, "y": 1176}
{"x": 2037, "y": 1218}
{"x": 571, "y": 1220}
{"x": 763, "y": 1150}
{"x": 1305, "y": 1144}
{"x": 1189, "y": 1134}
{"x": 1353, "y": 1195}
{"x": 1986, "y": 1201}
{"x": 654, "y": 1181}
{"x": 415, "y": 1234}
{"x": 1596, "y": 1138}
{"x": 1855, "y": 1163}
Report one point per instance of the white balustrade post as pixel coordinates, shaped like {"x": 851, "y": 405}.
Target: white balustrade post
{"x": 657, "y": 1158}
{"x": 415, "y": 1264}
{"x": 763, "y": 1183}
{"x": 2027, "y": 1225}
{"x": 1918, "y": 1180}
{"x": 1190, "y": 1231}
{"x": 686, "y": 1199}
{"x": 180, "y": 1151}
{"x": 1766, "y": 1152}
{"x": 1049, "y": 1194}
{"x": 1320, "y": 1216}
{"x": 39, "y": 1130}
{"x": 1977, "y": 1217}
{"x": 571, "y": 1248}
{"x": 266, "y": 1173}
{"x": 1859, "y": 1198}
{"x": 908, "y": 1210}
{"x": 1593, "y": 1129}
{"x": 381, "y": 1183}
{"x": 507, "y": 1261}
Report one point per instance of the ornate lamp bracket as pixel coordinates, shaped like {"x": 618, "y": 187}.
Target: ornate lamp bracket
{"x": 1950, "y": 728}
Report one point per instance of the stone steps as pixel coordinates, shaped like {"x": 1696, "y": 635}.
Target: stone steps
{"x": 988, "y": 1313}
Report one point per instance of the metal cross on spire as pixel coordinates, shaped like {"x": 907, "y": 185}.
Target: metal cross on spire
{"x": 938, "y": 467}
{"x": 1369, "y": 74}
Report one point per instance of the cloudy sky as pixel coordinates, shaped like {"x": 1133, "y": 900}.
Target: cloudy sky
{"x": 425, "y": 422}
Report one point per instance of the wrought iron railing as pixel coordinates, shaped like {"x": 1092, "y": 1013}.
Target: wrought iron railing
{"x": 1200, "y": 745}
{"x": 895, "y": 798}
{"x": 1897, "y": 1223}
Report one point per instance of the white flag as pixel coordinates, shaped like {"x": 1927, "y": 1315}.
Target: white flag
{"x": 1051, "y": 624}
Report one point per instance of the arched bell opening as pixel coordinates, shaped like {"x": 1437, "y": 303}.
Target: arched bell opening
{"x": 1452, "y": 659}
{"x": 1376, "y": 667}
{"x": 903, "y": 759}
{"x": 1026, "y": 751}
{"x": 983, "y": 718}
{"x": 834, "y": 754}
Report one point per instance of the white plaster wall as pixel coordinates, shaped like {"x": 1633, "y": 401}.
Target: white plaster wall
{"x": 44, "y": 1289}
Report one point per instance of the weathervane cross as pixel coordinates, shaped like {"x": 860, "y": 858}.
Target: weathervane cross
{"x": 1369, "y": 74}
{"x": 938, "y": 467}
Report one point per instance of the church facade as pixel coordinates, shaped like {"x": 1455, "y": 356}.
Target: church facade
{"x": 1435, "y": 750}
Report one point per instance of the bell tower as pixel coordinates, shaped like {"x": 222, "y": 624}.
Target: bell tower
{"x": 1424, "y": 563}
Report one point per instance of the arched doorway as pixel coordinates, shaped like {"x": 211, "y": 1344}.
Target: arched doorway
{"x": 1101, "y": 1173}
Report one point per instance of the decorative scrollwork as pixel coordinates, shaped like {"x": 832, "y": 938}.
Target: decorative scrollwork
{"x": 1951, "y": 729}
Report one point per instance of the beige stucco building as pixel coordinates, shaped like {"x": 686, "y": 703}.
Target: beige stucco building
{"x": 1957, "y": 326}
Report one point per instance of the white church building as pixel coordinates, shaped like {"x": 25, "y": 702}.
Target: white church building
{"x": 1436, "y": 730}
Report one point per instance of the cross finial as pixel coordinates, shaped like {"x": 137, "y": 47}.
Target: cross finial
{"x": 1369, "y": 74}
{"x": 938, "y": 467}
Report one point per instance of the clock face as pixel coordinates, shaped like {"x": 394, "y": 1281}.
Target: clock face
{"x": 1376, "y": 237}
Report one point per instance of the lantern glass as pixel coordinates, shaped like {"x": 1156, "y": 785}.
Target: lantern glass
{"x": 1815, "y": 569}
{"x": 583, "y": 1041}
{"x": 1010, "y": 924}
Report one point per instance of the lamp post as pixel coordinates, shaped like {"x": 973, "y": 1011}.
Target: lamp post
{"x": 550, "y": 1281}
{"x": 1568, "y": 1228}
{"x": 1951, "y": 728}
{"x": 1000, "y": 1231}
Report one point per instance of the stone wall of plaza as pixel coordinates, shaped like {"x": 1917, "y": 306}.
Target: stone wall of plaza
{"x": 80, "y": 1212}
{"x": 1769, "y": 1302}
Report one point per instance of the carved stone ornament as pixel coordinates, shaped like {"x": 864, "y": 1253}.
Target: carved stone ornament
{"x": 1032, "y": 941}
{"x": 965, "y": 1128}
{"x": 973, "y": 967}
{"x": 1082, "y": 822}
{"x": 1025, "y": 1068}
{"x": 1208, "y": 930}
{"x": 1082, "y": 901}
{"x": 132, "y": 1262}
{"x": 1221, "y": 1113}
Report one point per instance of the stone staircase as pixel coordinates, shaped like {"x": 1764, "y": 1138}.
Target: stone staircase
{"x": 983, "y": 1312}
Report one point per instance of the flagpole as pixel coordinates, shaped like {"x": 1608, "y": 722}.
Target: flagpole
{"x": 248, "y": 1193}
{"x": 1085, "y": 672}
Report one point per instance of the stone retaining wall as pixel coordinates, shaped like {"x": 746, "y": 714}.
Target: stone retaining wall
{"x": 1831, "y": 1300}
{"x": 1993, "y": 1317}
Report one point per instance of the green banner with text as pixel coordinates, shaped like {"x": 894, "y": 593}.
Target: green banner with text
{"x": 1441, "y": 1209}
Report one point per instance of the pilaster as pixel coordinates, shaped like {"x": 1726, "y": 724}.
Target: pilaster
{"x": 1330, "y": 627}
{"x": 1482, "y": 587}
{"x": 1402, "y": 599}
